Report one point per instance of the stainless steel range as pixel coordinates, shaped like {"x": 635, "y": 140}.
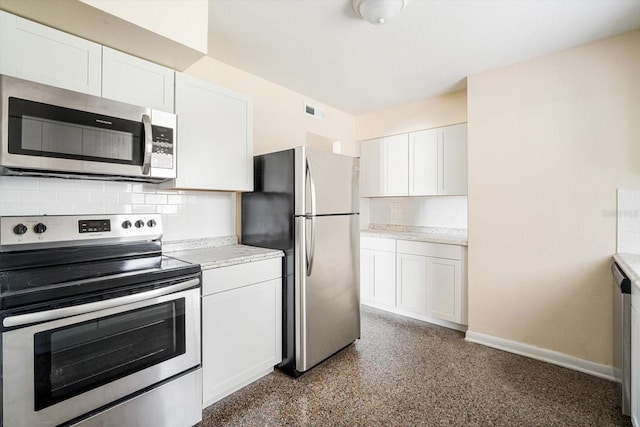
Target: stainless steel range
{"x": 98, "y": 328}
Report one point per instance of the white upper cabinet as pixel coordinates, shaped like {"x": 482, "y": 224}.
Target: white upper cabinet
{"x": 431, "y": 162}
{"x": 215, "y": 136}
{"x": 452, "y": 160}
{"x": 384, "y": 166}
{"x": 136, "y": 81}
{"x": 423, "y": 163}
{"x": 371, "y": 167}
{"x": 41, "y": 54}
{"x": 396, "y": 166}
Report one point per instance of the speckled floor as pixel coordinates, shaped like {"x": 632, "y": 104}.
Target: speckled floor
{"x": 409, "y": 373}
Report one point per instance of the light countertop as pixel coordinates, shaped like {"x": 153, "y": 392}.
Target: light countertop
{"x": 224, "y": 256}
{"x": 450, "y": 236}
{"x": 630, "y": 264}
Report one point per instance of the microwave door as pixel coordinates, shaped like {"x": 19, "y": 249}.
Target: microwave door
{"x": 55, "y": 132}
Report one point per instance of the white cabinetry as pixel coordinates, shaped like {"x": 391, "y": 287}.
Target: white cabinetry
{"x": 438, "y": 161}
{"x": 215, "y": 134}
{"x": 386, "y": 170}
{"x": 431, "y": 162}
{"x": 452, "y": 160}
{"x": 32, "y": 51}
{"x": 241, "y": 326}
{"x": 378, "y": 271}
{"x": 411, "y": 283}
{"x": 423, "y": 163}
{"x": 136, "y": 81}
{"x": 430, "y": 280}
{"x": 635, "y": 355}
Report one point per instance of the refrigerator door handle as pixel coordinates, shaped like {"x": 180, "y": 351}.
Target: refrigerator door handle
{"x": 312, "y": 193}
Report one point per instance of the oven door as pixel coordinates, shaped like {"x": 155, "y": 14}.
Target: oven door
{"x": 57, "y": 370}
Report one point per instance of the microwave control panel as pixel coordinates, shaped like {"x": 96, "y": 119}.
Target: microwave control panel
{"x": 163, "y": 151}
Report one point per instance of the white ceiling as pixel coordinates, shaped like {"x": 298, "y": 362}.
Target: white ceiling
{"x": 321, "y": 49}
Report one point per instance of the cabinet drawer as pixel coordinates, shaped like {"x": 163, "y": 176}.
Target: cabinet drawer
{"x": 236, "y": 276}
{"x": 379, "y": 244}
{"x": 438, "y": 250}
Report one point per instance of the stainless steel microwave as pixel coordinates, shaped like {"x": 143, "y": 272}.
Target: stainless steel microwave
{"x": 48, "y": 131}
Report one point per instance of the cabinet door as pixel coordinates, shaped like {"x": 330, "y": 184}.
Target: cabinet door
{"x": 215, "y": 136}
{"x": 453, "y": 160}
{"x": 423, "y": 163}
{"x": 136, "y": 81}
{"x": 411, "y": 283}
{"x": 371, "y": 168}
{"x": 41, "y": 54}
{"x": 365, "y": 275}
{"x": 383, "y": 277}
{"x": 395, "y": 171}
{"x": 241, "y": 337}
{"x": 444, "y": 289}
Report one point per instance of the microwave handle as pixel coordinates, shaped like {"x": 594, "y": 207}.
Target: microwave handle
{"x": 148, "y": 144}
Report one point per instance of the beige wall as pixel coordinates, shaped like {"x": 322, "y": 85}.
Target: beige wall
{"x": 279, "y": 118}
{"x": 550, "y": 141}
{"x": 424, "y": 114}
{"x": 186, "y": 22}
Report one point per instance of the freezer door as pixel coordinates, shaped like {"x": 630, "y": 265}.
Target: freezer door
{"x": 327, "y": 291}
{"x": 330, "y": 180}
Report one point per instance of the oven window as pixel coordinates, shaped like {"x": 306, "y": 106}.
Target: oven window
{"x": 74, "y": 359}
{"x": 39, "y": 129}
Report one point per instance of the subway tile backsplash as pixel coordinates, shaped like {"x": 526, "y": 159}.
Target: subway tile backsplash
{"x": 628, "y": 221}
{"x": 185, "y": 214}
{"x": 445, "y": 212}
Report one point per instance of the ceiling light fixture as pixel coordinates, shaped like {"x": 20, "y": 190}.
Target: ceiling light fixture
{"x": 378, "y": 12}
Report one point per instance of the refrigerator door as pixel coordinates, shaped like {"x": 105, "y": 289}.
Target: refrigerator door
{"x": 334, "y": 177}
{"x": 327, "y": 302}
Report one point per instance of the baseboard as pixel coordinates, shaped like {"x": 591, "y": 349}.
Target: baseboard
{"x": 549, "y": 356}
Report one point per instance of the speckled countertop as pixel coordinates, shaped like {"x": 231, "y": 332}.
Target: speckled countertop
{"x": 451, "y": 236}
{"x": 218, "y": 252}
{"x": 630, "y": 264}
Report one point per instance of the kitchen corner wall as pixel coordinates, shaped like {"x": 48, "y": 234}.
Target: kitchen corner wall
{"x": 185, "y": 214}
{"x": 440, "y": 211}
{"x": 444, "y": 211}
{"x": 550, "y": 141}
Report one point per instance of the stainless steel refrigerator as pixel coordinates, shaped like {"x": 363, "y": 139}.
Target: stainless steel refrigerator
{"x": 305, "y": 203}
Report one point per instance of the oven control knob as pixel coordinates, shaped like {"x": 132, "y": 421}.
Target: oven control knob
{"x": 139, "y": 223}
{"x": 39, "y": 228}
{"x": 20, "y": 229}
{"x": 151, "y": 223}
{"x": 126, "y": 224}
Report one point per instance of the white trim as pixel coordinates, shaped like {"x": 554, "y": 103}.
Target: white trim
{"x": 545, "y": 355}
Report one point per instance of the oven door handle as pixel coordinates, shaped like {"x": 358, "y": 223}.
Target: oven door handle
{"x": 59, "y": 313}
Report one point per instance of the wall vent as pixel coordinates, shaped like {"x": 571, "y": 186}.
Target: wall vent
{"x": 313, "y": 111}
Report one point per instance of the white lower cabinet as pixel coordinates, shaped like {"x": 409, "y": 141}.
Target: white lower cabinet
{"x": 241, "y": 326}
{"x": 635, "y": 355}
{"x": 378, "y": 271}
{"x": 411, "y": 280}
{"x": 429, "y": 279}
{"x": 444, "y": 288}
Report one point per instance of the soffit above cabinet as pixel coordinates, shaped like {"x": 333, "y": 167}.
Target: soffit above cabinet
{"x": 78, "y": 18}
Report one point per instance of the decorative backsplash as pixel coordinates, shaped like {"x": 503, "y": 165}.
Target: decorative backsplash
{"x": 185, "y": 214}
